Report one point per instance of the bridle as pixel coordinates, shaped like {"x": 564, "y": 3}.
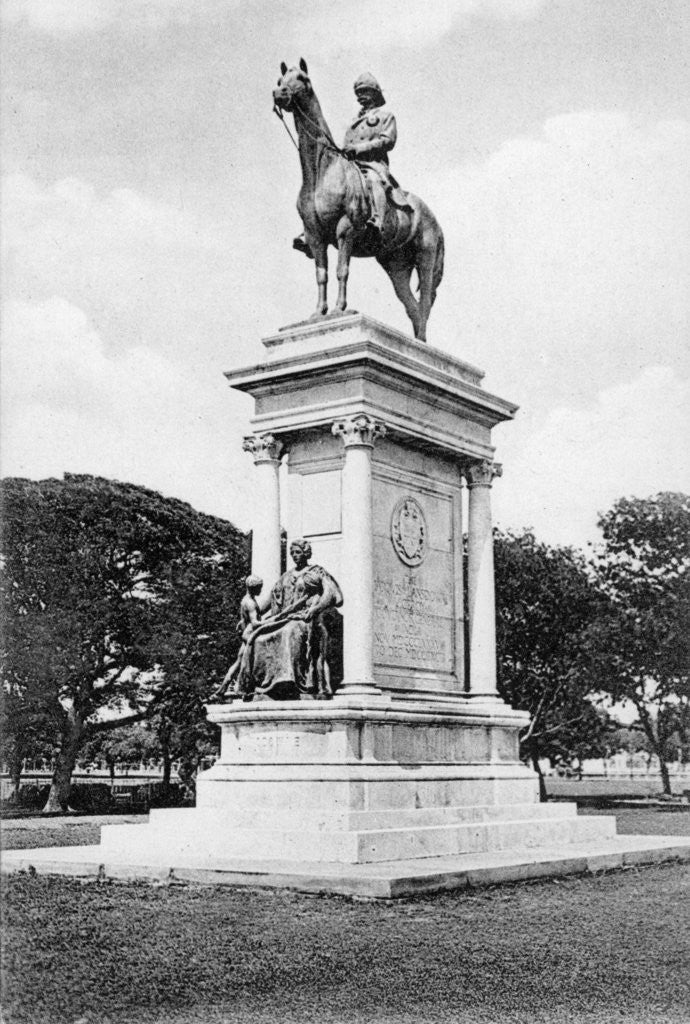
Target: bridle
{"x": 321, "y": 135}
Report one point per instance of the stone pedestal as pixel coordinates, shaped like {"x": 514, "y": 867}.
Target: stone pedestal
{"x": 409, "y": 779}
{"x": 415, "y": 757}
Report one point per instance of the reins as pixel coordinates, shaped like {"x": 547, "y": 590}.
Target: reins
{"x": 322, "y": 136}
{"x": 279, "y": 114}
{"x": 327, "y": 139}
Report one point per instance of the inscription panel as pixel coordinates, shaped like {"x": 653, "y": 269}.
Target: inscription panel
{"x": 413, "y": 605}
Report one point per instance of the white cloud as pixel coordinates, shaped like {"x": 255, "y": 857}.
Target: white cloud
{"x": 48, "y": 223}
{"x": 376, "y": 25}
{"x": 122, "y": 313}
{"x": 69, "y": 406}
{"x": 632, "y": 440}
{"x": 572, "y": 251}
{"x": 137, "y": 266}
{"x": 63, "y": 17}
{"x": 572, "y": 256}
{"x": 410, "y": 23}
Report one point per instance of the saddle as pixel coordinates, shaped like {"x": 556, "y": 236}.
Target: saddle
{"x": 398, "y": 197}
{"x": 395, "y": 195}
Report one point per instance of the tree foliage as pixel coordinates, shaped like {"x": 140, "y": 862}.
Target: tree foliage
{"x": 546, "y": 602}
{"x": 116, "y": 601}
{"x": 128, "y": 744}
{"x": 644, "y": 638}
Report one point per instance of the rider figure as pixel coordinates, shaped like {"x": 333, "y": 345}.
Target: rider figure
{"x": 368, "y": 140}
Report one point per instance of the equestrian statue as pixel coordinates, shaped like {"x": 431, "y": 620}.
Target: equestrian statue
{"x": 349, "y": 198}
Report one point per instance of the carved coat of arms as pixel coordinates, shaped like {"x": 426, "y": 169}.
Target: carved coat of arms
{"x": 409, "y": 531}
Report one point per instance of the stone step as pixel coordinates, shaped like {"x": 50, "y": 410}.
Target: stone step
{"x": 462, "y": 815}
{"x": 175, "y": 835}
{"x": 238, "y": 817}
{"x": 175, "y": 822}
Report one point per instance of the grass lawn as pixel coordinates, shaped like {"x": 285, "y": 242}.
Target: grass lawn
{"x": 647, "y": 821}
{"x": 610, "y": 948}
{"x": 30, "y": 833}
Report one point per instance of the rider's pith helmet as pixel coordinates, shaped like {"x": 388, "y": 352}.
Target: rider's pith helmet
{"x": 367, "y": 81}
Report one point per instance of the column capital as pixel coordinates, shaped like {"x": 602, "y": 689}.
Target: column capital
{"x": 264, "y": 447}
{"x": 358, "y": 431}
{"x": 481, "y": 473}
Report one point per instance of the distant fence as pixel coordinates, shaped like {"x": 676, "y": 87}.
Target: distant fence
{"x": 124, "y": 787}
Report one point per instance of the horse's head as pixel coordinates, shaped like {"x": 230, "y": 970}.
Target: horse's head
{"x": 293, "y": 85}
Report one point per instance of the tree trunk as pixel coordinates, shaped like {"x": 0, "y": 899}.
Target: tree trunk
{"x": 164, "y": 740}
{"x": 657, "y": 745}
{"x": 61, "y": 784}
{"x": 543, "y": 795}
{"x": 15, "y": 772}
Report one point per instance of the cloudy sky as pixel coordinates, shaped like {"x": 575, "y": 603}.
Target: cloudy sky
{"x": 148, "y": 212}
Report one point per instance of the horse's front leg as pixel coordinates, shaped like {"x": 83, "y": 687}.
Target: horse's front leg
{"x": 320, "y": 251}
{"x": 345, "y": 236}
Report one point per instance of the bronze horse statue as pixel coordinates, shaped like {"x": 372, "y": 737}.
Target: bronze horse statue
{"x": 334, "y": 207}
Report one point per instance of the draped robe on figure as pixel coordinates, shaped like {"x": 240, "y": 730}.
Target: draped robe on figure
{"x": 278, "y": 661}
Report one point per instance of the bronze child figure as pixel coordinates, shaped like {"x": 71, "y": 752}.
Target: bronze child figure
{"x": 250, "y": 619}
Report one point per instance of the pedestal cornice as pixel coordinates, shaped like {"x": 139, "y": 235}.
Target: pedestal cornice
{"x": 353, "y": 365}
{"x": 369, "y": 708}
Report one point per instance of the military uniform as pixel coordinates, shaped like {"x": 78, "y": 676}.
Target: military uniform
{"x": 372, "y": 134}
{"x": 370, "y": 137}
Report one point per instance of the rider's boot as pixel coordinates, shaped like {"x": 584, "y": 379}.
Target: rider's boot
{"x": 378, "y": 208}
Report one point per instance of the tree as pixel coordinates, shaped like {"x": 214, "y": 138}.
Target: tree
{"x": 644, "y": 638}
{"x": 97, "y": 578}
{"x": 546, "y": 601}
{"x": 128, "y": 744}
{"x": 25, "y": 730}
{"x": 198, "y": 631}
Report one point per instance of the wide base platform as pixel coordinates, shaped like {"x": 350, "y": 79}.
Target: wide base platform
{"x": 383, "y": 880}
{"x": 361, "y": 796}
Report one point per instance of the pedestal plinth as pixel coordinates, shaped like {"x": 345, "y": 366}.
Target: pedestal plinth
{"x": 363, "y": 781}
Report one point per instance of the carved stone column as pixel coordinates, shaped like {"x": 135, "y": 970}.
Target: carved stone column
{"x": 267, "y": 452}
{"x": 357, "y": 565}
{"x": 480, "y": 579}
